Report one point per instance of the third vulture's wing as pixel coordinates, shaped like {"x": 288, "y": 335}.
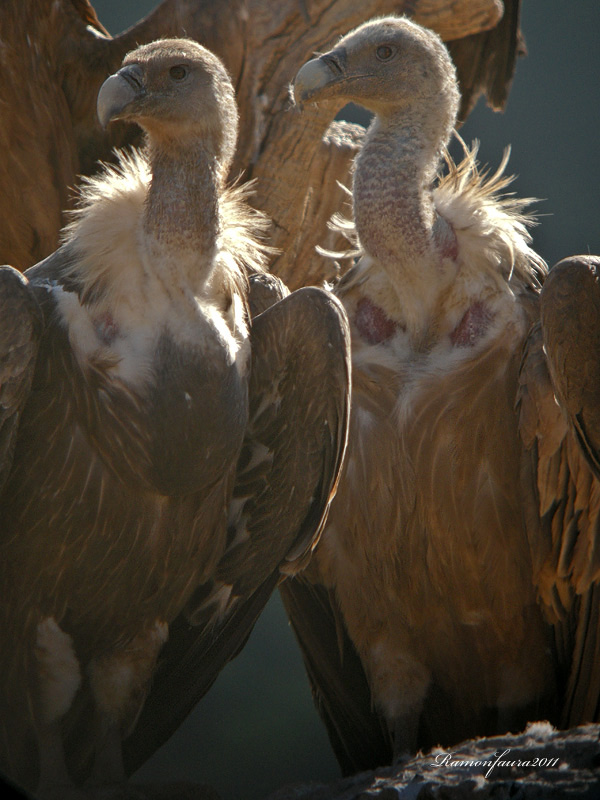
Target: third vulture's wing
{"x": 564, "y": 519}
{"x": 570, "y": 311}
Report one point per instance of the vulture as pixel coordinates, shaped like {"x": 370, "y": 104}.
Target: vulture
{"x": 454, "y": 590}
{"x": 165, "y": 459}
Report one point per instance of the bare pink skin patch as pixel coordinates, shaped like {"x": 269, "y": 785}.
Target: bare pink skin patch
{"x": 106, "y": 328}
{"x": 372, "y": 322}
{"x": 473, "y": 325}
{"x": 445, "y": 238}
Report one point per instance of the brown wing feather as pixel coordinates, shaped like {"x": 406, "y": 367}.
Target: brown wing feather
{"x": 582, "y": 695}
{"x": 563, "y": 518}
{"x": 20, "y": 328}
{"x": 189, "y": 664}
{"x": 570, "y": 313}
{"x": 565, "y": 545}
{"x": 265, "y": 290}
{"x": 299, "y": 412}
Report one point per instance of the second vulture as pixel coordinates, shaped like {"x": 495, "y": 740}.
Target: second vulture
{"x": 164, "y": 459}
{"x": 454, "y": 590}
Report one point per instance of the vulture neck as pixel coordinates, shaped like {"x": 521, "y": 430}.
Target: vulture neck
{"x": 394, "y": 212}
{"x": 181, "y": 215}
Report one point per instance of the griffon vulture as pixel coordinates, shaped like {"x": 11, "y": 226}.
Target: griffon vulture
{"x": 164, "y": 460}
{"x": 452, "y": 593}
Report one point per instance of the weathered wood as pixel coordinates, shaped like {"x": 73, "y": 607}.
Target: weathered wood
{"x": 327, "y": 168}
{"x": 453, "y": 20}
{"x": 486, "y": 61}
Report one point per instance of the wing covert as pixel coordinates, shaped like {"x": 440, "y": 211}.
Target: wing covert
{"x": 296, "y": 437}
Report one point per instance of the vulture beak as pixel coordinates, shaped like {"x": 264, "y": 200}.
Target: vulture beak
{"x": 318, "y": 75}
{"x": 118, "y": 92}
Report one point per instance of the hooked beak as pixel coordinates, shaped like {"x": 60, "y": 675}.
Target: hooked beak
{"x": 118, "y": 92}
{"x": 318, "y": 75}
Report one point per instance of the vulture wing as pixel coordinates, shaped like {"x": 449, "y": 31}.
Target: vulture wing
{"x": 265, "y": 290}
{"x": 564, "y": 518}
{"x": 286, "y": 477}
{"x": 570, "y": 313}
{"x": 358, "y": 735}
{"x": 20, "y": 328}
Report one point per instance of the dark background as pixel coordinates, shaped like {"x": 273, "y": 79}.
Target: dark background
{"x": 257, "y": 730}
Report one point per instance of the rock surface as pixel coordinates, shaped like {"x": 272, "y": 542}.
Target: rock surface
{"x": 540, "y": 764}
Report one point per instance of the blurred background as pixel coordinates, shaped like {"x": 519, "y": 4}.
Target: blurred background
{"x": 257, "y": 729}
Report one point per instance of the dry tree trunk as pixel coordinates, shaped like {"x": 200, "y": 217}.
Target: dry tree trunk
{"x": 296, "y": 158}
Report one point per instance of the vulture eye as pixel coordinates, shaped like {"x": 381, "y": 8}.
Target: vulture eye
{"x": 384, "y": 52}
{"x": 178, "y": 72}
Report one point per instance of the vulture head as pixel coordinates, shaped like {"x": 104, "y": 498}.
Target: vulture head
{"x": 387, "y": 65}
{"x": 179, "y": 93}
{"x": 403, "y": 73}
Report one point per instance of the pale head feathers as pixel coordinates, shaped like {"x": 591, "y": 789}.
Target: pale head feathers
{"x": 385, "y": 64}
{"x": 420, "y": 66}
{"x": 164, "y": 213}
{"x": 187, "y": 94}
{"x": 158, "y": 243}
{"x": 440, "y": 239}
{"x": 392, "y": 67}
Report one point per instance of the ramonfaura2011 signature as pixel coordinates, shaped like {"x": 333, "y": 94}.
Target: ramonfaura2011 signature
{"x": 491, "y": 762}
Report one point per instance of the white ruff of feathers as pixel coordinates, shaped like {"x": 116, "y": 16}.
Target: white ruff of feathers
{"x": 491, "y": 225}
{"x": 114, "y": 201}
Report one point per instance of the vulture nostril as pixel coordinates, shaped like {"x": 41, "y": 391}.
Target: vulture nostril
{"x": 333, "y": 63}
{"x": 133, "y": 76}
